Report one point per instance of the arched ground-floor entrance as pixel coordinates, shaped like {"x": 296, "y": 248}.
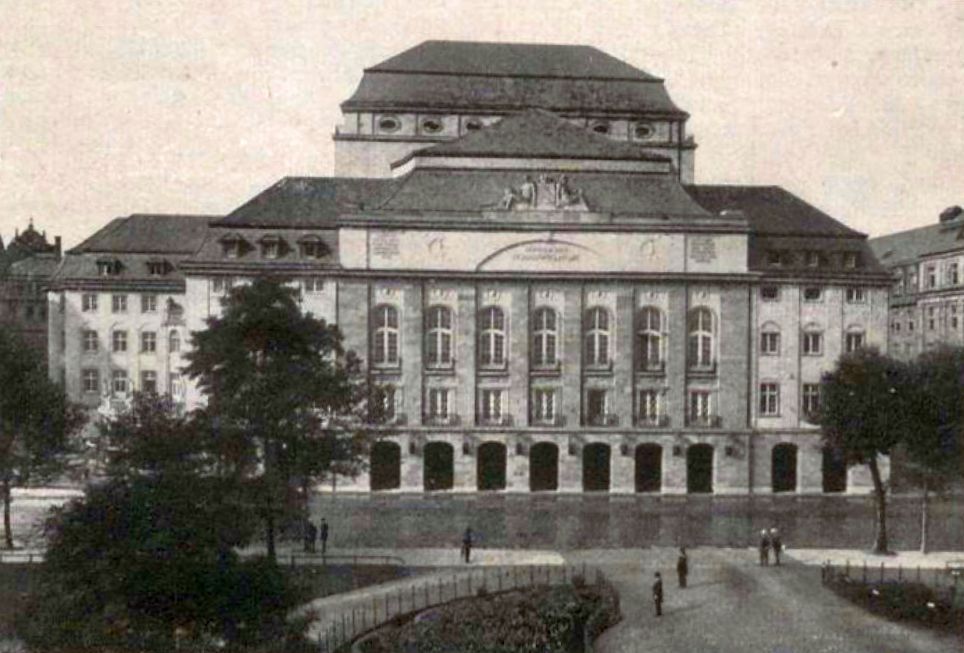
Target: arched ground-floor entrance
{"x": 543, "y": 467}
{"x": 439, "y": 470}
{"x": 490, "y": 466}
{"x": 385, "y": 466}
{"x": 699, "y": 469}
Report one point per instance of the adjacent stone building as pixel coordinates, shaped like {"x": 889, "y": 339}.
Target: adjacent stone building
{"x": 26, "y": 266}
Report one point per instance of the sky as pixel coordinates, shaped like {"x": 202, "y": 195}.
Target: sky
{"x": 109, "y": 108}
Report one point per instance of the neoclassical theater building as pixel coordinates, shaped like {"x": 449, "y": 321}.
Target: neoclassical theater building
{"x": 514, "y": 244}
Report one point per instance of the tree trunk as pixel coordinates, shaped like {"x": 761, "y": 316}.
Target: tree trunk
{"x": 924, "y": 517}
{"x": 7, "y": 500}
{"x": 880, "y": 499}
{"x": 269, "y": 532}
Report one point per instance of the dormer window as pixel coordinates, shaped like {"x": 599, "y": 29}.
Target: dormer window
{"x": 774, "y": 258}
{"x": 157, "y": 268}
{"x": 851, "y": 260}
{"x": 643, "y": 131}
{"x": 600, "y": 126}
{"x": 431, "y": 125}
{"x": 813, "y": 259}
{"x": 313, "y": 247}
{"x": 108, "y": 267}
{"x": 473, "y": 124}
{"x": 388, "y": 124}
{"x": 232, "y": 245}
{"x": 271, "y": 247}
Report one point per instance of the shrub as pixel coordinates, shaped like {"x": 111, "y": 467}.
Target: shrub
{"x": 900, "y": 601}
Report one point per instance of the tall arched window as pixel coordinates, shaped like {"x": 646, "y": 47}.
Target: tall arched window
{"x": 699, "y": 352}
{"x": 385, "y": 335}
{"x": 597, "y": 337}
{"x": 492, "y": 337}
{"x": 649, "y": 339}
{"x": 545, "y": 336}
{"x": 438, "y": 336}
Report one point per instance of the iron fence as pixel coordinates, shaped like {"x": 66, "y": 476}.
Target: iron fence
{"x": 946, "y": 581}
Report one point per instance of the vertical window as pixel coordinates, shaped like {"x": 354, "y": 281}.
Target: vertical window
{"x": 851, "y": 260}
{"x": 387, "y": 402}
{"x": 649, "y": 339}
{"x": 854, "y": 341}
{"x": 899, "y": 284}
{"x": 313, "y": 285}
{"x": 149, "y": 381}
{"x": 770, "y": 343}
{"x": 90, "y": 341}
{"x": 770, "y": 293}
{"x": 492, "y": 337}
{"x": 597, "y": 337}
{"x": 438, "y": 403}
{"x": 544, "y": 405}
{"x": 769, "y": 399}
{"x": 119, "y": 341}
{"x": 385, "y": 336}
{"x": 952, "y": 275}
{"x": 491, "y": 408}
{"x": 812, "y": 293}
{"x": 812, "y": 343}
{"x": 544, "y": 338}
{"x": 88, "y": 302}
{"x": 148, "y": 342}
{"x": 90, "y": 380}
{"x": 699, "y": 407}
{"x": 118, "y": 381}
{"x": 930, "y": 276}
{"x": 175, "y": 384}
{"x": 438, "y": 336}
{"x": 148, "y": 303}
{"x": 647, "y": 408}
{"x": 699, "y": 352}
{"x": 954, "y": 319}
{"x": 118, "y": 303}
{"x": 931, "y": 318}
{"x": 856, "y": 295}
{"x": 174, "y": 342}
{"x": 597, "y": 406}
{"x": 811, "y": 400}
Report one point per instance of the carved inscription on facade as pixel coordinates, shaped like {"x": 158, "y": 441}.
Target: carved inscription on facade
{"x": 702, "y": 249}
{"x": 546, "y": 253}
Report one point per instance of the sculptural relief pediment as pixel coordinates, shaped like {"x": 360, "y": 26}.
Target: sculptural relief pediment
{"x": 543, "y": 193}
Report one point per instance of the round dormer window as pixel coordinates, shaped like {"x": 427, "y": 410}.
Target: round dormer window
{"x": 600, "y": 127}
{"x": 473, "y": 124}
{"x": 431, "y": 125}
{"x": 643, "y": 130}
{"x": 389, "y": 124}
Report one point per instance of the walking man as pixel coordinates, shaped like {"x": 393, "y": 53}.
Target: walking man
{"x": 764, "y": 548}
{"x": 311, "y": 535}
{"x": 682, "y": 567}
{"x": 658, "y": 595}
{"x": 467, "y": 545}
{"x": 776, "y": 544}
{"x": 324, "y": 536}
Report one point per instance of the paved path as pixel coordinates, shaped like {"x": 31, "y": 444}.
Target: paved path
{"x": 735, "y": 606}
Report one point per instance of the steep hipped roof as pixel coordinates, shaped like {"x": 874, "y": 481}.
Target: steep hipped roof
{"x": 906, "y": 246}
{"x": 508, "y": 77}
{"x": 537, "y": 133}
{"x": 145, "y": 234}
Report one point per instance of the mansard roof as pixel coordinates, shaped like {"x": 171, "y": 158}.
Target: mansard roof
{"x": 913, "y": 244}
{"x": 149, "y": 233}
{"x": 536, "y": 133}
{"x": 447, "y": 75}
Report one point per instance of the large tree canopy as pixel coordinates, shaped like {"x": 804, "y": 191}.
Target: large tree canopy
{"x": 280, "y": 377}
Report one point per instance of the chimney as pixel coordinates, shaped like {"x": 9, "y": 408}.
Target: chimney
{"x": 951, "y": 213}
{"x": 57, "y": 246}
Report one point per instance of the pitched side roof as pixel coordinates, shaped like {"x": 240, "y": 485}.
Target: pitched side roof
{"x": 536, "y": 133}
{"x": 511, "y": 59}
{"x": 771, "y": 210}
{"x": 148, "y": 233}
{"x": 916, "y": 243}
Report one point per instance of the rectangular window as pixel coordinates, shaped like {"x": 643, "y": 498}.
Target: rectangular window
{"x": 954, "y": 320}
{"x": 647, "y": 409}
{"x": 118, "y": 381}
{"x": 597, "y": 406}
{"x": 699, "y": 406}
{"x": 149, "y": 381}
{"x": 813, "y": 259}
{"x": 770, "y": 343}
{"x": 952, "y": 275}
{"x": 148, "y": 303}
{"x": 813, "y": 343}
{"x": 851, "y": 260}
{"x": 544, "y": 405}
{"x": 90, "y": 341}
{"x": 118, "y": 303}
{"x": 811, "y": 400}
{"x": 930, "y": 276}
{"x": 769, "y": 399}
{"x": 90, "y": 380}
{"x": 812, "y": 294}
{"x": 313, "y": 285}
{"x": 88, "y": 303}
{"x": 148, "y": 342}
{"x": 313, "y": 249}
{"x": 491, "y": 408}
{"x": 270, "y": 249}
{"x": 895, "y": 327}
{"x": 910, "y": 325}
{"x": 438, "y": 403}
{"x": 854, "y": 341}
{"x": 931, "y": 318}
{"x": 770, "y": 293}
{"x": 119, "y": 341}
{"x": 175, "y": 386}
{"x": 774, "y": 258}
{"x": 856, "y": 295}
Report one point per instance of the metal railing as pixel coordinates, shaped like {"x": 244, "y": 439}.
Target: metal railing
{"x": 948, "y": 579}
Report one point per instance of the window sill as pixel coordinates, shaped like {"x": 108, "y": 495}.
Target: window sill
{"x": 711, "y": 421}
{"x": 555, "y": 370}
{"x": 661, "y": 421}
{"x": 493, "y": 371}
{"x": 599, "y": 370}
{"x": 603, "y": 421}
{"x": 440, "y": 370}
{"x": 556, "y": 421}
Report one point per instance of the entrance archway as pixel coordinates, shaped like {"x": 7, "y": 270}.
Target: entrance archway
{"x": 699, "y": 469}
{"x": 490, "y": 466}
{"x": 543, "y": 467}
{"x": 386, "y": 466}
{"x": 783, "y": 468}
{"x": 595, "y": 467}
{"x": 834, "y": 471}
{"x": 649, "y": 468}
{"x": 439, "y": 471}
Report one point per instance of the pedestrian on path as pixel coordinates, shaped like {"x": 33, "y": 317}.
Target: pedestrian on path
{"x": 658, "y": 595}
{"x": 324, "y": 536}
{"x": 776, "y": 544}
{"x": 311, "y": 535}
{"x": 764, "y": 548}
{"x": 682, "y": 567}
{"x": 467, "y": 545}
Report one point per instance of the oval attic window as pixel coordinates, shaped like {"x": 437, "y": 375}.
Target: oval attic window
{"x": 600, "y": 127}
{"x": 643, "y": 130}
{"x": 473, "y": 124}
{"x": 431, "y": 126}
{"x": 388, "y": 124}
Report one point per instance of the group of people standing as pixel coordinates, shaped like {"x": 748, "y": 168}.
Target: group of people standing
{"x": 313, "y": 534}
{"x": 770, "y": 541}
{"x": 682, "y": 572}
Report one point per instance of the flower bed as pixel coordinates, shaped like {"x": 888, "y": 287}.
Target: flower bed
{"x": 560, "y": 619}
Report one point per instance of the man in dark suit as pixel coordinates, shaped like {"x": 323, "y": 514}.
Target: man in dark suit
{"x": 682, "y": 566}
{"x": 658, "y": 595}
{"x": 467, "y": 545}
{"x": 324, "y": 536}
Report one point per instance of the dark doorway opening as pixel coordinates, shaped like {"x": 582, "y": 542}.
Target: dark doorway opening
{"x": 386, "y": 466}
{"x": 543, "y": 467}
{"x": 834, "y": 471}
{"x": 699, "y": 469}
{"x": 783, "y": 468}
{"x": 490, "y": 466}
{"x": 595, "y": 467}
{"x": 649, "y": 468}
{"x": 439, "y": 470}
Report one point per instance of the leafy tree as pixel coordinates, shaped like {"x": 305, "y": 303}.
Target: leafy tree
{"x": 932, "y": 448}
{"x": 281, "y": 378}
{"x": 36, "y": 421}
{"x": 863, "y": 415}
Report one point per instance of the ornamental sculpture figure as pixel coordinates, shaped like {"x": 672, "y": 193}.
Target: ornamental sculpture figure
{"x": 545, "y": 193}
